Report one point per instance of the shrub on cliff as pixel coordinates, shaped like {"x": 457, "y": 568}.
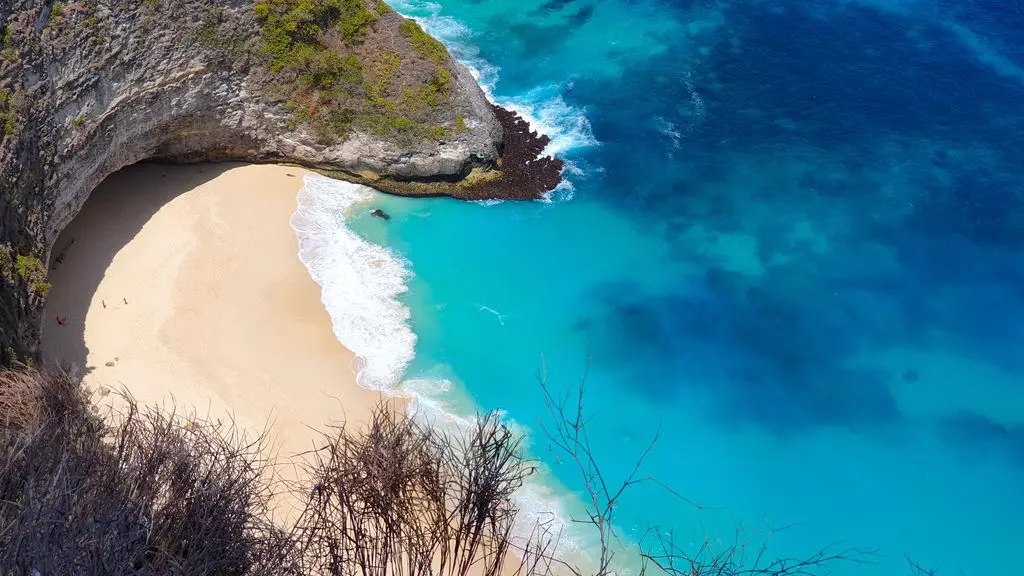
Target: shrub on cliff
{"x": 11, "y": 105}
{"x": 335, "y": 64}
{"x": 428, "y": 46}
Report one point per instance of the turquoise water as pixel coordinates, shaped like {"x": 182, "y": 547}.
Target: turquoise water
{"x": 793, "y": 239}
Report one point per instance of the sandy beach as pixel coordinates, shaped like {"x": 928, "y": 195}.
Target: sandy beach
{"x": 182, "y": 284}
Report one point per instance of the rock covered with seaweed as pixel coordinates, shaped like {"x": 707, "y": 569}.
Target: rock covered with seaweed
{"x": 348, "y": 86}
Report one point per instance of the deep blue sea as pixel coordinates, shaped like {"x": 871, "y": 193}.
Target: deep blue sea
{"x": 792, "y": 239}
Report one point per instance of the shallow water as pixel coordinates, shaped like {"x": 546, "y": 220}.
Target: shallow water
{"x": 793, "y": 238}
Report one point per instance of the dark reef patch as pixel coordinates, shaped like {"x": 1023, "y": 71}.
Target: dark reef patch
{"x": 760, "y": 357}
{"x": 845, "y": 180}
{"x": 976, "y": 435}
{"x": 554, "y": 5}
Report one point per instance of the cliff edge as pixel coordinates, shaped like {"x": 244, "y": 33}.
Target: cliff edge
{"x": 347, "y": 86}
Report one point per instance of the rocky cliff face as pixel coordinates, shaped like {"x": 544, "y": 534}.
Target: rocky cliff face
{"x": 89, "y": 87}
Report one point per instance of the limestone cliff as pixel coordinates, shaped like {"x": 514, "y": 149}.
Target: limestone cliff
{"x": 92, "y": 86}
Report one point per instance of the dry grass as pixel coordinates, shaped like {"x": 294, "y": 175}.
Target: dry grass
{"x": 403, "y": 499}
{"x": 150, "y": 491}
{"x": 20, "y": 400}
{"x": 152, "y": 494}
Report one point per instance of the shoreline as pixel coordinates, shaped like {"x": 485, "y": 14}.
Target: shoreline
{"x": 182, "y": 285}
{"x": 363, "y": 284}
{"x": 208, "y": 289}
{"x": 189, "y": 287}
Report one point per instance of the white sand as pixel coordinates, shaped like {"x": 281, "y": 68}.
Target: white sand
{"x": 183, "y": 285}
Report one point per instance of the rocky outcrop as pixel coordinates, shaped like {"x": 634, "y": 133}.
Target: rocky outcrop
{"x": 89, "y": 87}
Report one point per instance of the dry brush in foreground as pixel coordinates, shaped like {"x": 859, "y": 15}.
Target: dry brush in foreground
{"x": 151, "y": 491}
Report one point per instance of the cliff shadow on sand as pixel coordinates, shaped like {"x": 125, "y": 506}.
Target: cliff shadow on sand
{"x": 114, "y": 214}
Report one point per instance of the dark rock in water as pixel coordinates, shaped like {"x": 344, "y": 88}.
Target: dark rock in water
{"x": 520, "y": 172}
{"x": 380, "y": 214}
{"x": 526, "y": 175}
{"x": 526, "y": 171}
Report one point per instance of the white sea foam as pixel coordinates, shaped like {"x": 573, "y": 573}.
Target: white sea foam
{"x": 360, "y": 282}
{"x": 491, "y": 202}
{"x": 670, "y": 130}
{"x": 498, "y": 315}
{"x": 546, "y": 111}
{"x": 543, "y": 107}
{"x": 696, "y": 114}
{"x": 564, "y": 192}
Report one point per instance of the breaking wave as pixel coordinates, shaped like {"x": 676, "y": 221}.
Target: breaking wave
{"x": 360, "y": 281}
{"x": 543, "y": 107}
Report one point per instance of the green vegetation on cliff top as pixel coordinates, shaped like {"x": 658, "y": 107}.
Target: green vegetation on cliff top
{"x": 428, "y": 46}
{"x": 27, "y": 269}
{"x": 8, "y": 51}
{"x": 10, "y": 107}
{"x": 337, "y": 76}
{"x": 33, "y": 272}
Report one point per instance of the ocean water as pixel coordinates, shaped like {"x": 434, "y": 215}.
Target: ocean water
{"x": 792, "y": 240}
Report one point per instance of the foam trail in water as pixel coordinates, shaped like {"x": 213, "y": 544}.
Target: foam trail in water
{"x": 360, "y": 282}
{"x": 498, "y": 315}
{"x": 564, "y": 192}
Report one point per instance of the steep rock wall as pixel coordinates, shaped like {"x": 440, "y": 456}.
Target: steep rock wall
{"x": 89, "y": 87}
